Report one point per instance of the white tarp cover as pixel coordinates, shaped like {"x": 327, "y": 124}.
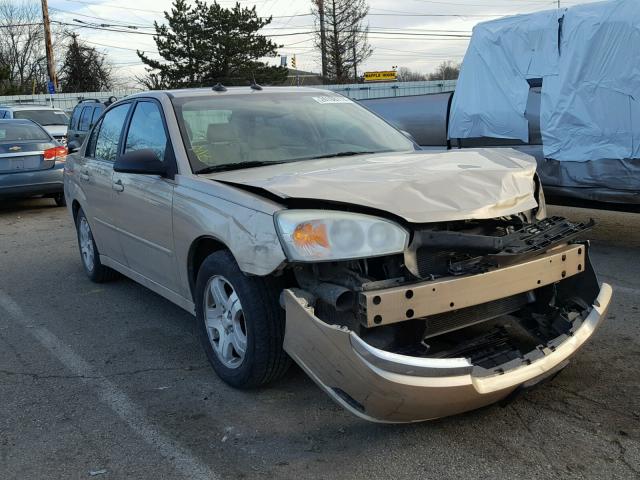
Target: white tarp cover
{"x": 491, "y": 93}
{"x": 591, "y": 84}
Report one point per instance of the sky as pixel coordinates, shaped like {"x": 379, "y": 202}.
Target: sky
{"x": 418, "y": 34}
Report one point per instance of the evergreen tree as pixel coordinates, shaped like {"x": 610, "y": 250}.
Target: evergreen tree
{"x": 204, "y": 44}
{"x": 84, "y": 69}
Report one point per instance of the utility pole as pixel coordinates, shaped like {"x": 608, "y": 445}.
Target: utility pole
{"x": 323, "y": 38}
{"x": 355, "y": 63}
{"x": 48, "y": 46}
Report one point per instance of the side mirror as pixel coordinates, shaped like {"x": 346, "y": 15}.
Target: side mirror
{"x": 145, "y": 162}
{"x": 73, "y": 146}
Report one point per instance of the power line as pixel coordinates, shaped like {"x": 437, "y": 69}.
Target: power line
{"x": 398, "y": 13}
{"x": 98, "y": 18}
{"x": 120, "y": 48}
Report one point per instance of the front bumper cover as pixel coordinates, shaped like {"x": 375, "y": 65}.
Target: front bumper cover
{"x": 385, "y": 387}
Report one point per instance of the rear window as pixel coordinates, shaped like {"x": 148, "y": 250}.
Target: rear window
{"x": 85, "y": 119}
{"x": 43, "y": 117}
{"x": 15, "y": 132}
{"x": 96, "y": 114}
{"x": 75, "y": 117}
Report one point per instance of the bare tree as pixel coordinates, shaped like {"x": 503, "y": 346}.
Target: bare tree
{"x": 407, "y": 75}
{"x": 150, "y": 80}
{"x": 447, "y": 70}
{"x": 346, "y": 37}
{"x": 23, "y": 61}
{"x": 22, "y": 54}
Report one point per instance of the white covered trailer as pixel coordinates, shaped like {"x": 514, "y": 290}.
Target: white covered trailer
{"x": 586, "y": 59}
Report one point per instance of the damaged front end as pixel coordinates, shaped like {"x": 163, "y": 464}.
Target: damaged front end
{"x": 469, "y": 313}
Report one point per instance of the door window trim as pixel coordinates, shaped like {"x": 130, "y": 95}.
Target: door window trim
{"x": 98, "y": 127}
{"x": 169, "y": 153}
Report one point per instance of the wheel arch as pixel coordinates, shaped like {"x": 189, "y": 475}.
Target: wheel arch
{"x": 199, "y": 250}
{"x": 75, "y": 208}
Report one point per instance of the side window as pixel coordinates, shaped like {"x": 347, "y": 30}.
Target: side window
{"x": 146, "y": 130}
{"x": 75, "y": 116}
{"x": 85, "y": 119}
{"x": 109, "y": 133}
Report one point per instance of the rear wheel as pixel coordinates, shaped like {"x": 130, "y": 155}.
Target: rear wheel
{"x": 240, "y": 323}
{"x": 89, "y": 252}
{"x": 60, "y": 200}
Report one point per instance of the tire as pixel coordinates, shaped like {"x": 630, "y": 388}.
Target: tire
{"x": 89, "y": 254}
{"x": 60, "y": 200}
{"x": 254, "y": 313}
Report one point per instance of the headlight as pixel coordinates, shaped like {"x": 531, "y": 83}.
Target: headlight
{"x": 316, "y": 235}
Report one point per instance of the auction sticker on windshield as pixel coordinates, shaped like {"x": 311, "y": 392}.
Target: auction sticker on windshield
{"x": 328, "y": 99}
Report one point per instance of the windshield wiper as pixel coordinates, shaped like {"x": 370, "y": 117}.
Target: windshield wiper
{"x": 343, "y": 154}
{"x": 234, "y": 166}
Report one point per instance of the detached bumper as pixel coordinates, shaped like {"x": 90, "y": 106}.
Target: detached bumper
{"x": 38, "y": 182}
{"x": 385, "y": 387}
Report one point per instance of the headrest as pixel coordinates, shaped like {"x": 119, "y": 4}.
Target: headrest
{"x": 221, "y": 133}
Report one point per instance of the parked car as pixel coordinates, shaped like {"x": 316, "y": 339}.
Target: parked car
{"x": 31, "y": 161}
{"x": 85, "y": 114}
{"x": 295, "y": 224}
{"x": 53, "y": 120}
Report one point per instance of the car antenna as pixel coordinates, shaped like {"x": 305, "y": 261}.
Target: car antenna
{"x": 219, "y": 88}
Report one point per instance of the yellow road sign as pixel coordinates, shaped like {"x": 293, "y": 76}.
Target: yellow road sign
{"x": 388, "y": 76}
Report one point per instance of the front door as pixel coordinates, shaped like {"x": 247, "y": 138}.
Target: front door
{"x": 143, "y": 203}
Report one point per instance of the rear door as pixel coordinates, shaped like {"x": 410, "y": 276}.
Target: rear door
{"x": 143, "y": 203}
{"x": 95, "y": 172}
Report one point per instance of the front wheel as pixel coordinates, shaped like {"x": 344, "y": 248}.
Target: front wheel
{"x": 240, "y": 323}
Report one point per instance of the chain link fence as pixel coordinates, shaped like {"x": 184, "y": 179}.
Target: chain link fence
{"x": 360, "y": 91}
{"x": 356, "y": 91}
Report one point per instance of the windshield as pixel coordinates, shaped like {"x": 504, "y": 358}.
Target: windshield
{"x": 263, "y": 128}
{"x": 43, "y": 117}
{"x": 20, "y": 132}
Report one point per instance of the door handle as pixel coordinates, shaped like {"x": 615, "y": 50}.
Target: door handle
{"x": 118, "y": 186}
{"x": 84, "y": 175}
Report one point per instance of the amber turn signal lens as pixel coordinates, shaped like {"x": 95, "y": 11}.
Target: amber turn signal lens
{"x": 309, "y": 235}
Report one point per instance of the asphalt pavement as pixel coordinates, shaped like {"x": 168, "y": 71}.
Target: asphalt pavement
{"x": 109, "y": 382}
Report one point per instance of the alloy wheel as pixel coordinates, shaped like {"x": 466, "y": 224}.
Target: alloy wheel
{"x": 225, "y": 322}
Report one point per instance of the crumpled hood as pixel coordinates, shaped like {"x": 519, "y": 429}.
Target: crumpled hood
{"x": 420, "y": 187}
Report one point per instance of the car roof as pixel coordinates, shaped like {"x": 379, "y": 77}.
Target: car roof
{"x": 18, "y": 120}
{"x": 193, "y": 92}
{"x": 30, "y": 107}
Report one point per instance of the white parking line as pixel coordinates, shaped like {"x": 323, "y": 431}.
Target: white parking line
{"x": 109, "y": 394}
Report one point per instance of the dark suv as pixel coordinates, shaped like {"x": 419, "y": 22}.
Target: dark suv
{"x": 84, "y": 116}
